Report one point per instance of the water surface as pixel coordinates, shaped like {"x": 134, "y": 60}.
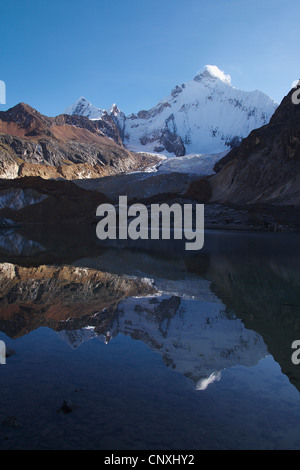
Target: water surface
{"x": 151, "y": 347}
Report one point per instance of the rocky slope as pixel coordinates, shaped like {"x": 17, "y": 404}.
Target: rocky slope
{"x": 69, "y": 147}
{"x": 265, "y": 168}
{"x": 203, "y": 116}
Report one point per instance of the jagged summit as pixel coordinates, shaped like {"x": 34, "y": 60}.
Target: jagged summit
{"x": 113, "y": 109}
{"x": 83, "y": 107}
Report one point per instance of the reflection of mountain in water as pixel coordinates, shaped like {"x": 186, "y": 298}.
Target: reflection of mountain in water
{"x": 195, "y": 337}
{"x": 64, "y": 297}
{"x": 76, "y": 337}
{"x": 15, "y": 244}
{"x": 265, "y": 295}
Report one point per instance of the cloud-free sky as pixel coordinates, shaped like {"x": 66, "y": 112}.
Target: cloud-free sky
{"x": 134, "y": 52}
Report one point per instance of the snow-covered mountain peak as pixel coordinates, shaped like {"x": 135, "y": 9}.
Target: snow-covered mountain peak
{"x": 118, "y": 117}
{"x": 82, "y": 107}
{"x": 210, "y": 72}
{"x": 206, "y": 115}
{"x": 113, "y": 110}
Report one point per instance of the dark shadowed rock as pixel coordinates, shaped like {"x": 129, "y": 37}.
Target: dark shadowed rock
{"x": 265, "y": 168}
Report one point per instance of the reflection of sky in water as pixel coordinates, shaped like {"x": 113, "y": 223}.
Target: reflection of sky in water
{"x": 124, "y": 397}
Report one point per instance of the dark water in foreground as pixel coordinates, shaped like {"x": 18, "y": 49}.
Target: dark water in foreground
{"x": 152, "y": 347}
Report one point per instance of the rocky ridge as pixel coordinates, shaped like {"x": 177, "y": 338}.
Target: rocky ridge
{"x": 65, "y": 146}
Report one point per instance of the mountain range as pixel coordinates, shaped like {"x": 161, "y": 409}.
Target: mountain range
{"x": 85, "y": 144}
{"x": 68, "y": 147}
{"x": 90, "y": 303}
{"x": 206, "y": 115}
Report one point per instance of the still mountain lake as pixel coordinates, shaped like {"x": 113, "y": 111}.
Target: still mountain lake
{"x": 147, "y": 346}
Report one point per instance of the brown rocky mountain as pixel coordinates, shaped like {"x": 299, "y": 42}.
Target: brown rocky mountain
{"x": 69, "y": 147}
{"x": 265, "y": 168}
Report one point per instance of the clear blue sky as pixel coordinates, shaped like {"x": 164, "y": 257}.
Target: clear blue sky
{"x": 133, "y": 52}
